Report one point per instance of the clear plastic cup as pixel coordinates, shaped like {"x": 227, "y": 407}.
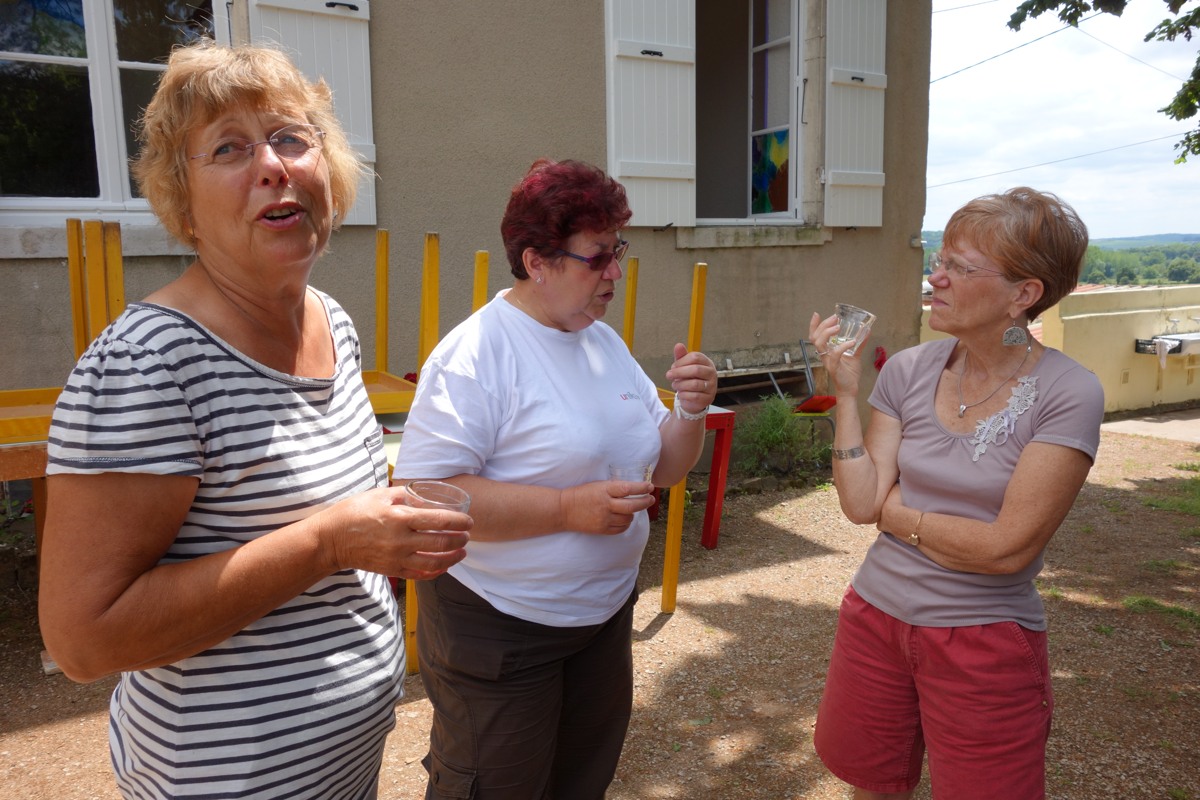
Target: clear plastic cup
{"x": 638, "y": 472}
{"x": 854, "y": 324}
{"x": 436, "y": 494}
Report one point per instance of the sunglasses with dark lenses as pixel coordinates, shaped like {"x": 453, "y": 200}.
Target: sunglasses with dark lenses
{"x": 600, "y": 261}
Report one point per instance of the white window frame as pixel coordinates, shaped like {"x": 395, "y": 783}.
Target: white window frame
{"x": 795, "y": 38}
{"x": 850, "y": 165}
{"x": 116, "y": 201}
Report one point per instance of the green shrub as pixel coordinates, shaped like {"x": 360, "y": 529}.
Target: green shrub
{"x": 770, "y": 440}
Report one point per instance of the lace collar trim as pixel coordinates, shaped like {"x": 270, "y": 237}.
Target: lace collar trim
{"x": 996, "y": 428}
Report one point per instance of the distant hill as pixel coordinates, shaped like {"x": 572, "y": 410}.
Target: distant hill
{"x": 933, "y": 240}
{"x": 1131, "y": 242}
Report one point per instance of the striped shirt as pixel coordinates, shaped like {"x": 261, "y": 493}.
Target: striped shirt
{"x": 297, "y": 704}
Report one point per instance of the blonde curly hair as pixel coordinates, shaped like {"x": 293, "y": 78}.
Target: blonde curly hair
{"x": 202, "y": 81}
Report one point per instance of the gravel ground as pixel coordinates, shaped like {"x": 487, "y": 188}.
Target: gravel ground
{"x": 727, "y": 686}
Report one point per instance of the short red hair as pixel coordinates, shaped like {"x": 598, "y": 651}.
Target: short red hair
{"x": 554, "y": 201}
{"x": 1028, "y": 234}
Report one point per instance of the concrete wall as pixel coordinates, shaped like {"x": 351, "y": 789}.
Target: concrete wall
{"x": 1098, "y": 329}
{"x": 464, "y": 100}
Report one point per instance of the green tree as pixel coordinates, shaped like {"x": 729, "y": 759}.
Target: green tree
{"x": 1186, "y": 17}
{"x": 1126, "y": 275}
{"x": 1183, "y": 270}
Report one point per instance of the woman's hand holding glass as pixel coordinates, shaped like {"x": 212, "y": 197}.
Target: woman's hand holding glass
{"x": 376, "y": 531}
{"x": 605, "y": 508}
{"x": 694, "y": 376}
{"x": 844, "y": 370}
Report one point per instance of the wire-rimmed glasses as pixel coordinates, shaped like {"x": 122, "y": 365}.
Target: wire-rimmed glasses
{"x": 289, "y": 143}
{"x": 938, "y": 261}
{"x": 600, "y": 261}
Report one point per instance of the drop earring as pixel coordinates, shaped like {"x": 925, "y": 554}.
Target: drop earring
{"x": 1015, "y": 335}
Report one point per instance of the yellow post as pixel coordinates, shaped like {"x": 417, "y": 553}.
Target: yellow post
{"x": 410, "y": 628}
{"x": 94, "y": 279}
{"x": 631, "y": 278}
{"x": 381, "y": 300}
{"x": 696, "y": 320}
{"x": 76, "y": 279}
{"x": 480, "y": 294}
{"x": 674, "y": 540}
{"x": 114, "y": 271}
{"x": 429, "y": 299}
{"x": 673, "y": 545}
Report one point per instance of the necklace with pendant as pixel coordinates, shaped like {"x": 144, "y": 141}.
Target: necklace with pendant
{"x": 962, "y": 407}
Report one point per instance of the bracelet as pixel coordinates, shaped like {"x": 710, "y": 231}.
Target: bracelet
{"x": 853, "y": 452}
{"x": 914, "y": 538}
{"x": 684, "y": 414}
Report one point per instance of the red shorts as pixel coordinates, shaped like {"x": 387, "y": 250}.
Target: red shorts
{"x": 977, "y": 697}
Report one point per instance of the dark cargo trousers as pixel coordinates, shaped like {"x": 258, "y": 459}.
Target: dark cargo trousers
{"x": 521, "y": 711}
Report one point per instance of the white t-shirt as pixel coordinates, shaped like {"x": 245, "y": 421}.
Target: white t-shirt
{"x": 511, "y": 400}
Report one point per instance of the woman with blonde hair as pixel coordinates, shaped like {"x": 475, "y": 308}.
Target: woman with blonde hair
{"x": 219, "y": 521}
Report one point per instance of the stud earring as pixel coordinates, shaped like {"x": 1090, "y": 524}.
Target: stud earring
{"x": 540, "y": 279}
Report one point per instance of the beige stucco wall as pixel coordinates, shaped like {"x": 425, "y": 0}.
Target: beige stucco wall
{"x": 1098, "y": 329}
{"x": 466, "y": 96}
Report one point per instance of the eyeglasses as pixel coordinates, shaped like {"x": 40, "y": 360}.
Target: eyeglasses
{"x": 937, "y": 261}
{"x": 289, "y": 143}
{"x": 600, "y": 261}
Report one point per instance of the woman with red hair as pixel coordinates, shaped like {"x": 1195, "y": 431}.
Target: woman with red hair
{"x": 976, "y": 448}
{"x": 526, "y": 645}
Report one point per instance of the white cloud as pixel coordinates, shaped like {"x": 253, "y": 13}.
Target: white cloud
{"x": 1063, "y": 96}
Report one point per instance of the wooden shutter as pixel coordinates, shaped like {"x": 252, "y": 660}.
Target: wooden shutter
{"x": 855, "y": 34}
{"x": 651, "y": 54}
{"x": 330, "y": 40}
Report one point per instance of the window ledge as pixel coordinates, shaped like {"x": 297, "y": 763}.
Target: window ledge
{"x": 751, "y": 235}
{"x": 44, "y": 241}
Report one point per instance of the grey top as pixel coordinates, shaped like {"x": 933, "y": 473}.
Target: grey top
{"x": 966, "y": 475}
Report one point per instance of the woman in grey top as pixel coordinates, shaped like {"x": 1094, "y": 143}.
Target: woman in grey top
{"x": 976, "y": 448}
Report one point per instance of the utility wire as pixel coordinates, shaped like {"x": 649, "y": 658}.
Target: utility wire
{"x": 1006, "y": 52}
{"x": 960, "y": 8}
{"x": 1127, "y": 55}
{"x": 1056, "y": 161}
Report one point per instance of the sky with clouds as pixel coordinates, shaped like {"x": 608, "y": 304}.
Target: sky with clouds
{"x": 1035, "y": 116}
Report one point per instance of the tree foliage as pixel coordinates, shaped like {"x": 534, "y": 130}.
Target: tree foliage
{"x": 1185, "y": 18}
{"x": 1149, "y": 265}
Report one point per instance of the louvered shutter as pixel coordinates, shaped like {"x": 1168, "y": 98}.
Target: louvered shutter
{"x": 330, "y": 40}
{"x": 651, "y": 53}
{"x": 855, "y": 34}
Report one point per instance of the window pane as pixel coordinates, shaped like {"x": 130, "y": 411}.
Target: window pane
{"x": 45, "y": 27}
{"x": 147, "y": 29}
{"x": 47, "y": 146}
{"x": 137, "y": 88}
{"x": 772, "y": 20}
{"x": 772, "y": 85}
{"x": 769, "y": 179}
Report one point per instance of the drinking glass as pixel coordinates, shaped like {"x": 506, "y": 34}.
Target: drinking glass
{"x": 639, "y": 472}
{"x": 854, "y": 324}
{"x": 436, "y": 494}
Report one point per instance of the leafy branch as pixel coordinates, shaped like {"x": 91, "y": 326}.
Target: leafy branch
{"x": 1187, "y": 100}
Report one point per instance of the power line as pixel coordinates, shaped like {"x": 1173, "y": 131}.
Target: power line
{"x": 1056, "y": 161}
{"x": 1127, "y": 55}
{"x": 1006, "y": 52}
{"x": 960, "y": 8}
